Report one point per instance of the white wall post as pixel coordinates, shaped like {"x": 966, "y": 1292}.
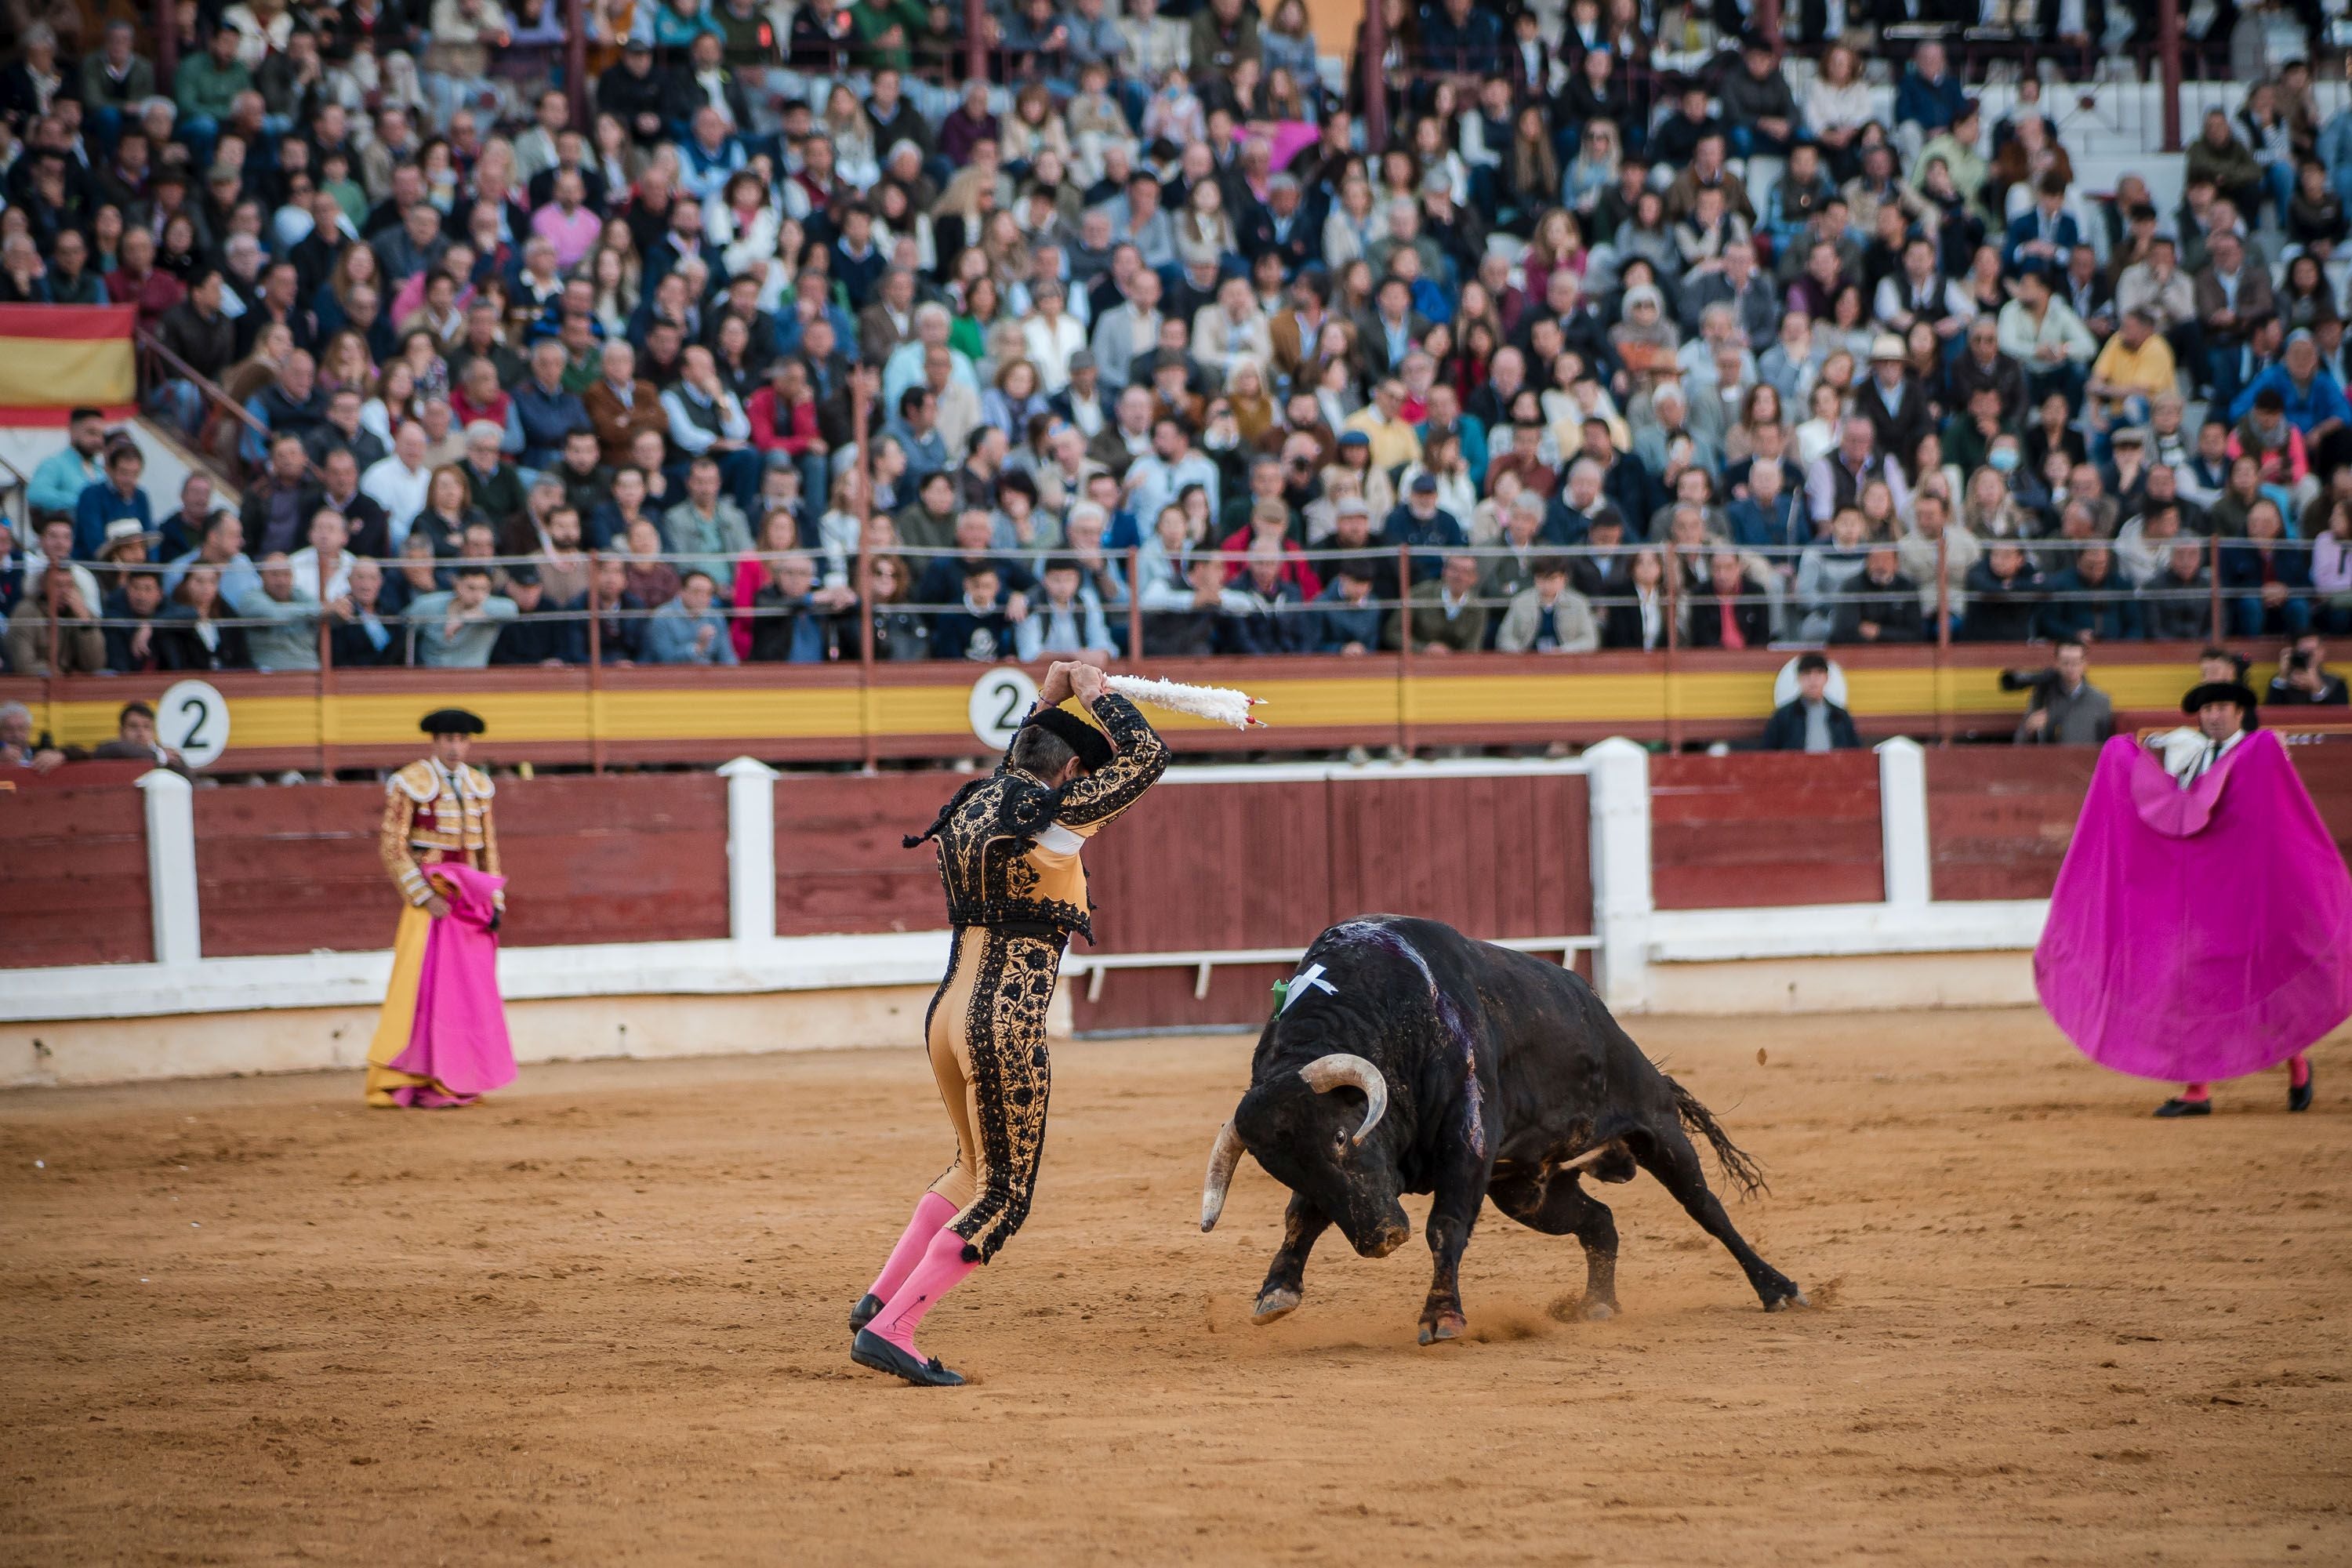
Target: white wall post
{"x": 750, "y": 850}
{"x": 1618, "y": 785}
{"x": 1903, "y": 821}
{"x": 171, "y": 808}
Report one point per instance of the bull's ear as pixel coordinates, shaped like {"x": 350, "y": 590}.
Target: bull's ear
{"x": 1224, "y": 1155}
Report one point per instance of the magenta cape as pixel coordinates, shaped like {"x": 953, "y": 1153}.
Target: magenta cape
{"x": 459, "y": 1037}
{"x": 2201, "y": 933}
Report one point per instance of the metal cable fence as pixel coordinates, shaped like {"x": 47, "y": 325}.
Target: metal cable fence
{"x": 958, "y": 605}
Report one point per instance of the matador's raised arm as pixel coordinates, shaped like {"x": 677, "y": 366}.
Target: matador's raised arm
{"x": 1094, "y": 798}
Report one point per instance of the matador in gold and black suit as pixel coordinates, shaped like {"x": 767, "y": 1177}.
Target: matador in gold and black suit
{"x": 1008, "y": 848}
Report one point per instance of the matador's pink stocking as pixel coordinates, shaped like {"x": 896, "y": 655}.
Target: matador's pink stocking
{"x": 942, "y": 1270}
{"x": 930, "y": 1214}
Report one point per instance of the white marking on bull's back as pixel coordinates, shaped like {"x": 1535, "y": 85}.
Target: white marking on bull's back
{"x": 1309, "y": 979}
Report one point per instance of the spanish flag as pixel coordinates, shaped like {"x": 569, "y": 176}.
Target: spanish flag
{"x": 54, "y": 358}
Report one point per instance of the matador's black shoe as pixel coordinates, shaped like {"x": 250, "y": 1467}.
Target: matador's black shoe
{"x": 871, "y": 1350}
{"x": 2298, "y": 1095}
{"x": 2178, "y": 1107}
{"x": 869, "y": 1306}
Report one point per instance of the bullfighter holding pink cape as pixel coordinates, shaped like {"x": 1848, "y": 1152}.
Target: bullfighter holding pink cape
{"x": 441, "y": 1039}
{"x": 2201, "y": 926}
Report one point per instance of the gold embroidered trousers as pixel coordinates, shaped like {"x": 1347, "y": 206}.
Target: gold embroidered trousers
{"x": 986, "y": 1031}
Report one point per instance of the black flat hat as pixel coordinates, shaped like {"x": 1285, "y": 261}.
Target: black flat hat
{"x": 2219, "y": 691}
{"x": 451, "y": 722}
{"x": 1091, "y": 744}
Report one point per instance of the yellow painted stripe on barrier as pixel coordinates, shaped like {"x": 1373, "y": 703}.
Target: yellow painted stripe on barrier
{"x": 381, "y": 718}
{"x": 922, "y": 710}
{"x": 1535, "y": 698}
{"x": 778, "y": 713}
{"x": 753, "y": 713}
{"x": 1339, "y": 699}
{"x": 1889, "y": 690}
{"x": 80, "y": 724}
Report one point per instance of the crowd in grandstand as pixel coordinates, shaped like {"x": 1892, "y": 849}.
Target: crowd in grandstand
{"x": 1605, "y": 346}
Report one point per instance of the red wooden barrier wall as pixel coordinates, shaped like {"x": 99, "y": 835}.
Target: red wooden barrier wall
{"x": 1758, "y": 828}
{"x": 73, "y": 877}
{"x": 1210, "y": 866}
{"x": 2328, "y": 773}
{"x": 1998, "y": 821}
{"x": 840, "y": 864}
{"x": 639, "y": 858}
{"x": 1203, "y": 867}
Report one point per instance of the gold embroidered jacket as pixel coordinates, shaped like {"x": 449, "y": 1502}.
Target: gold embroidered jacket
{"x": 1009, "y": 845}
{"x": 427, "y": 819}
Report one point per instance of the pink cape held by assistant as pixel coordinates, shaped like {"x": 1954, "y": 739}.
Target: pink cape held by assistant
{"x": 458, "y": 1040}
{"x": 2202, "y": 933}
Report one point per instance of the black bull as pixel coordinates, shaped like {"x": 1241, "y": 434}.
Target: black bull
{"x": 1408, "y": 1059}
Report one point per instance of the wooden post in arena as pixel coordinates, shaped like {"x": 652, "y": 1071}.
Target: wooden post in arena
{"x": 1376, "y": 84}
{"x": 1134, "y": 606}
{"x": 1673, "y": 645}
{"x": 49, "y": 680}
{"x": 49, "y": 592}
{"x": 1943, "y": 638}
{"x": 1404, "y": 650}
{"x": 2168, "y": 54}
{"x": 863, "y": 384}
{"x": 861, "y": 507}
{"x": 2213, "y": 572}
{"x": 575, "y": 62}
{"x": 326, "y": 681}
{"x": 595, "y": 672}
{"x": 167, "y": 44}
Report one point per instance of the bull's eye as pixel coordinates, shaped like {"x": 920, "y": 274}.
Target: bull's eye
{"x": 1339, "y": 1142}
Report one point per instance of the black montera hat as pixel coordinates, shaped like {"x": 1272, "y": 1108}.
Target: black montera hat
{"x": 2219, "y": 691}
{"x": 1091, "y": 744}
{"x": 451, "y": 722}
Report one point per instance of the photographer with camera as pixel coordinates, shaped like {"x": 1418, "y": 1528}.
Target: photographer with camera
{"x": 2304, "y": 680}
{"x": 2065, "y": 708}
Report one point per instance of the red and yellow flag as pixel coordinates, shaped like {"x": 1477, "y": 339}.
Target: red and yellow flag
{"x": 57, "y": 357}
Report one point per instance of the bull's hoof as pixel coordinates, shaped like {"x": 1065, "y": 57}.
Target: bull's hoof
{"x": 1274, "y": 1304}
{"x": 1444, "y": 1326}
{"x": 1597, "y": 1311}
{"x": 1795, "y": 1298}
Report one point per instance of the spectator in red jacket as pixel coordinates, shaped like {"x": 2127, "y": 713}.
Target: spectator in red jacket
{"x": 783, "y": 419}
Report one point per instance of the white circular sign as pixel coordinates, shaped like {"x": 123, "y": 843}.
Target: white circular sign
{"x": 1000, "y": 700}
{"x": 1784, "y": 685}
{"x": 192, "y": 719}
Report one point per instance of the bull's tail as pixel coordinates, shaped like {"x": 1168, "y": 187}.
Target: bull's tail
{"x": 1740, "y": 1167}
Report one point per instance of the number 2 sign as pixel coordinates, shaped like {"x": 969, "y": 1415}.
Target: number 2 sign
{"x": 1000, "y": 700}
{"x": 192, "y": 719}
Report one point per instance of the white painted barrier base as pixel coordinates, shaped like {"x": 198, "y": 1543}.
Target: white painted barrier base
{"x": 312, "y": 1039}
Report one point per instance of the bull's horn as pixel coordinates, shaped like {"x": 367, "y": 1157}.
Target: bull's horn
{"x": 1325, "y": 1074}
{"x": 1224, "y": 1154}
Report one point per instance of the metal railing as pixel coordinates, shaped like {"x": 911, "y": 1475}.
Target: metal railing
{"x": 153, "y": 354}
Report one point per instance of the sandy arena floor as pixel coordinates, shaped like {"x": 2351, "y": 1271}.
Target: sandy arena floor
{"x": 600, "y": 1320}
